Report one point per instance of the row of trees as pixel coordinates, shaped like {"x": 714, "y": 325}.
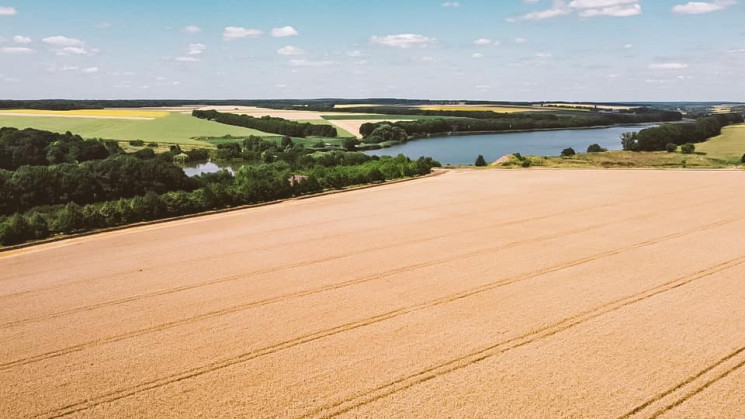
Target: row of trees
{"x": 251, "y": 184}
{"x": 658, "y": 138}
{"x": 42, "y": 148}
{"x": 268, "y": 124}
{"x": 513, "y": 122}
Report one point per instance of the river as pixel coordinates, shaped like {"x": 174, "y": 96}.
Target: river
{"x": 463, "y": 149}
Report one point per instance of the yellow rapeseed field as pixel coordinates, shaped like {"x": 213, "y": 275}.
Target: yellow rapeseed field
{"x": 103, "y": 113}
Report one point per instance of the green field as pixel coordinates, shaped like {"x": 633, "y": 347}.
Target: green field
{"x": 176, "y": 128}
{"x": 728, "y": 146}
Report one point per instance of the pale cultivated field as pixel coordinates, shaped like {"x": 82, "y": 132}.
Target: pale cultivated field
{"x": 353, "y": 125}
{"x": 126, "y": 114}
{"x": 481, "y": 293}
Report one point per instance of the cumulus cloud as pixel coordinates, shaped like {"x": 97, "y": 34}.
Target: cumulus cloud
{"x": 483, "y": 41}
{"x": 196, "y": 49}
{"x": 700, "y": 7}
{"x": 284, "y": 31}
{"x": 404, "y": 40}
{"x": 585, "y": 8}
{"x": 290, "y": 50}
{"x": 62, "y": 41}
{"x": 628, "y": 46}
{"x": 668, "y": 66}
{"x": 307, "y": 63}
{"x": 7, "y": 11}
{"x": 90, "y": 70}
{"x": 20, "y": 39}
{"x": 520, "y": 40}
{"x": 232, "y": 33}
{"x": 477, "y": 55}
{"x": 192, "y": 29}
{"x": 15, "y": 50}
{"x": 187, "y": 59}
{"x": 451, "y": 4}
{"x": 103, "y": 25}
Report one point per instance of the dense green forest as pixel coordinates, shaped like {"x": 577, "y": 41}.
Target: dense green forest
{"x": 382, "y": 131}
{"x": 269, "y": 124}
{"x": 68, "y": 195}
{"x": 657, "y": 138}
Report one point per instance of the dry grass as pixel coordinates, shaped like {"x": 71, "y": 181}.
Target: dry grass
{"x": 475, "y": 293}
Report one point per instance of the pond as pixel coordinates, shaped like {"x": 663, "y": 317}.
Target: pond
{"x": 463, "y": 149}
{"x": 196, "y": 169}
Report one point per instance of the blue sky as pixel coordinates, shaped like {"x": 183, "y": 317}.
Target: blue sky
{"x": 599, "y": 50}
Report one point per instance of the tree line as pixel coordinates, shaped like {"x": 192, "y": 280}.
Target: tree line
{"x": 658, "y": 138}
{"x": 268, "y": 124}
{"x": 518, "y": 122}
{"x": 37, "y": 201}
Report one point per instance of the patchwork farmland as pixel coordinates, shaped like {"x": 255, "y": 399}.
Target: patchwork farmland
{"x": 472, "y": 293}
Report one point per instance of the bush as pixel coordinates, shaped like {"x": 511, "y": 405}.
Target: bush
{"x": 526, "y": 163}
{"x": 595, "y": 148}
{"x": 137, "y": 143}
{"x": 671, "y": 147}
{"x": 153, "y": 145}
{"x": 687, "y": 148}
{"x": 742, "y": 160}
{"x": 568, "y": 152}
{"x": 480, "y": 161}
{"x": 518, "y": 156}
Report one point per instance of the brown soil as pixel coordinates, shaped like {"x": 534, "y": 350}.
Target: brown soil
{"x": 476, "y": 293}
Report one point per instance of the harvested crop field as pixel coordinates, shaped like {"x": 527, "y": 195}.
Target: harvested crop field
{"x": 473, "y": 293}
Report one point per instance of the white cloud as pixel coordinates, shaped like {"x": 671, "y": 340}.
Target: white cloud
{"x": 585, "y": 8}
{"x": 699, "y": 7}
{"x": 103, "y": 25}
{"x": 628, "y": 46}
{"x": 188, "y": 59}
{"x": 668, "y": 66}
{"x": 614, "y": 11}
{"x": 232, "y": 33}
{"x": 62, "y": 41}
{"x": 15, "y": 50}
{"x": 20, "y": 39}
{"x": 284, "y": 31}
{"x": 290, "y": 50}
{"x": 520, "y": 40}
{"x": 355, "y": 53}
{"x": 7, "y": 11}
{"x": 196, "y": 49}
{"x": 90, "y": 70}
{"x": 306, "y": 63}
{"x": 404, "y": 40}
{"x": 68, "y": 68}
{"x": 483, "y": 41}
{"x": 192, "y": 29}
{"x": 477, "y": 55}
{"x": 451, "y": 4}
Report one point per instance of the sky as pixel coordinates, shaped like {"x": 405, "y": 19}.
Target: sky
{"x": 512, "y": 50}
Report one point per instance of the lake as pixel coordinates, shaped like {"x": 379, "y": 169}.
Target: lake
{"x": 463, "y": 149}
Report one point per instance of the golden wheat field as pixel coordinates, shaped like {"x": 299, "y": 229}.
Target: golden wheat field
{"x": 475, "y": 293}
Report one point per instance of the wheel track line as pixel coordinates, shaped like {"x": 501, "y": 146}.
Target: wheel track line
{"x": 290, "y": 243}
{"x": 284, "y": 297}
{"x": 310, "y": 263}
{"x": 304, "y": 293}
{"x": 639, "y": 409}
{"x": 201, "y": 370}
{"x": 380, "y": 392}
{"x": 699, "y": 390}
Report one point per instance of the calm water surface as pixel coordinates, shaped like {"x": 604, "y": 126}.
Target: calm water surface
{"x": 464, "y": 149}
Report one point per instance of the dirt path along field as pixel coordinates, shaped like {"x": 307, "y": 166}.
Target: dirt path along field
{"x": 533, "y": 293}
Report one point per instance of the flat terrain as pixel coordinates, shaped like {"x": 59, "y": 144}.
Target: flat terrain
{"x": 174, "y": 127}
{"x": 471, "y": 294}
